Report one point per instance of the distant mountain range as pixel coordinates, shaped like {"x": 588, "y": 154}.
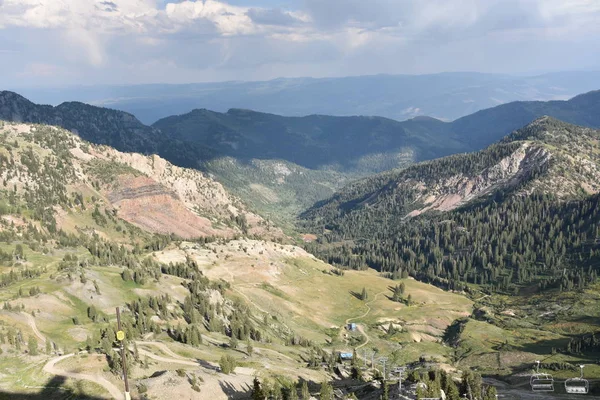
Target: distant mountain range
{"x": 316, "y": 141}
{"x": 364, "y": 144}
{"x": 284, "y": 164}
{"x": 446, "y": 96}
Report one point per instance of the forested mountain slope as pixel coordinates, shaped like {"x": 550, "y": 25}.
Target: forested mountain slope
{"x": 95, "y": 124}
{"x": 281, "y": 165}
{"x": 365, "y": 143}
{"x": 513, "y": 229}
{"x": 316, "y": 141}
{"x": 488, "y": 126}
{"x": 547, "y": 155}
{"x": 98, "y": 125}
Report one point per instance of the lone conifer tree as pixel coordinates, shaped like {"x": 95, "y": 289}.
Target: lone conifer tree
{"x": 305, "y": 391}
{"x": 326, "y": 391}
{"x": 33, "y": 346}
{"x": 249, "y": 348}
{"x": 257, "y": 392}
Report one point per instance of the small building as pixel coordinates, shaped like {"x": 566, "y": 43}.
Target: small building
{"x": 346, "y": 356}
{"x": 351, "y": 327}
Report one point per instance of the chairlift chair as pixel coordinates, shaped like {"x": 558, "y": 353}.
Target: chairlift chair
{"x": 577, "y": 385}
{"x": 541, "y": 382}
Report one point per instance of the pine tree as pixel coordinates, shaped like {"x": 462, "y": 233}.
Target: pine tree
{"x": 291, "y": 392}
{"x": 233, "y": 342}
{"x": 326, "y": 391}
{"x": 249, "y": 348}
{"x": 33, "y": 346}
{"x": 386, "y": 391}
{"x": 305, "y": 393}
{"x": 257, "y": 391}
{"x": 490, "y": 393}
{"x": 88, "y": 343}
{"x": 364, "y": 294}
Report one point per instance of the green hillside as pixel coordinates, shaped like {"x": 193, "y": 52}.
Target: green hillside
{"x": 74, "y": 245}
{"x": 504, "y": 205}
{"x": 244, "y": 149}
{"x": 193, "y": 311}
{"x": 315, "y": 142}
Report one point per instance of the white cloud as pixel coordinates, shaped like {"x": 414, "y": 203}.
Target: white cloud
{"x": 204, "y": 39}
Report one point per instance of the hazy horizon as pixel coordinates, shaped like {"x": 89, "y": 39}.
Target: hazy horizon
{"x": 156, "y": 41}
{"x": 50, "y": 85}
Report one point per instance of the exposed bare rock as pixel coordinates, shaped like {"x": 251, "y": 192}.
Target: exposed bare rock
{"x": 153, "y": 207}
{"x": 146, "y": 191}
{"x": 450, "y": 193}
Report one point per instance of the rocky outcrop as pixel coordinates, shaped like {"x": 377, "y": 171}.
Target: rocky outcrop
{"x": 152, "y": 207}
{"x": 450, "y": 193}
{"x": 132, "y": 190}
{"x": 146, "y": 191}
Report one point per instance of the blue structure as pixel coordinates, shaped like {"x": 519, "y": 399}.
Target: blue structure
{"x": 351, "y": 327}
{"x": 346, "y": 356}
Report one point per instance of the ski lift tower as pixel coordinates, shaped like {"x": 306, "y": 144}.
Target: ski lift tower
{"x": 383, "y": 361}
{"x": 400, "y": 371}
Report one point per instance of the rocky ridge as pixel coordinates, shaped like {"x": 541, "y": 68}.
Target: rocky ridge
{"x": 146, "y": 191}
{"x": 547, "y": 156}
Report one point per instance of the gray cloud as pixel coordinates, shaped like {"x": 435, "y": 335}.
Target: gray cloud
{"x": 367, "y": 14}
{"x": 108, "y": 6}
{"x": 140, "y": 41}
{"x": 271, "y": 17}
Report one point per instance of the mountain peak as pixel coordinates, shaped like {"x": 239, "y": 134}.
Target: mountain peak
{"x": 548, "y": 129}
{"x": 594, "y": 94}
{"x": 11, "y": 98}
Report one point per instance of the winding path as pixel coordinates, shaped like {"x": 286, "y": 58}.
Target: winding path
{"x": 217, "y": 342}
{"x": 51, "y": 368}
{"x": 164, "y": 348}
{"x": 168, "y": 360}
{"x": 360, "y": 328}
{"x": 33, "y": 326}
{"x": 249, "y": 299}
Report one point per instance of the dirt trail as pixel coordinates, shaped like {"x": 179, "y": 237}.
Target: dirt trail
{"x": 361, "y": 330}
{"x": 250, "y": 300}
{"x": 217, "y": 342}
{"x": 367, "y": 304}
{"x": 51, "y": 368}
{"x": 359, "y": 327}
{"x": 168, "y": 360}
{"x": 33, "y": 326}
{"x": 164, "y": 348}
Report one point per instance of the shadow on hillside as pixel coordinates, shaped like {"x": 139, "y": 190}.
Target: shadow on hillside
{"x": 233, "y": 393}
{"x": 586, "y": 319}
{"x": 207, "y": 365}
{"x": 545, "y": 347}
{"x": 53, "y": 390}
{"x": 357, "y": 295}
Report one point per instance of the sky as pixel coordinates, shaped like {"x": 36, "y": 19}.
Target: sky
{"x": 56, "y": 42}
